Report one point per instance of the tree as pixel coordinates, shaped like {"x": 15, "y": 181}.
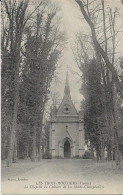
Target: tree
{"x": 110, "y": 78}
{"x": 41, "y": 52}
{"x": 14, "y": 20}
{"x": 11, "y": 53}
{"x": 98, "y": 47}
{"x": 94, "y": 115}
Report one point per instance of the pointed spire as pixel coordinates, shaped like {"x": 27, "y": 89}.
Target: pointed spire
{"x": 67, "y": 88}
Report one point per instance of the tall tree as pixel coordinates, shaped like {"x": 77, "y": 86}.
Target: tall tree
{"x": 106, "y": 63}
{"x": 94, "y": 115}
{"x": 41, "y": 50}
{"x": 97, "y": 45}
{"x": 16, "y": 21}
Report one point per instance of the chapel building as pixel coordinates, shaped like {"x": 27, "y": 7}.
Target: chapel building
{"x": 66, "y": 130}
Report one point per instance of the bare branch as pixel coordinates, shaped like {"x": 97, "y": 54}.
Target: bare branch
{"x": 99, "y": 49}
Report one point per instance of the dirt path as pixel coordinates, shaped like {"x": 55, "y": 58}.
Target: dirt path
{"x": 64, "y": 175}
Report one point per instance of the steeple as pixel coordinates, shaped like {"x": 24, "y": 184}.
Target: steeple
{"x": 67, "y": 107}
{"x": 67, "y": 88}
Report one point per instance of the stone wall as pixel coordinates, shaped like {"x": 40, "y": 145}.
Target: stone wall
{"x": 60, "y": 131}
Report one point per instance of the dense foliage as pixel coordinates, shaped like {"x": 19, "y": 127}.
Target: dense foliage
{"x": 30, "y": 52}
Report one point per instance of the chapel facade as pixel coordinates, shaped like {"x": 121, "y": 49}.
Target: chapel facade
{"x": 66, "y": 129}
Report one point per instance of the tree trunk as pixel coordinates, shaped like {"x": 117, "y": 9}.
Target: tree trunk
{"x": 15, "y": 153}
{"x": 102, "y": 150}
{"x": 115, "y": 129}
{"x": 27, "y": 151}
{"x": 40, "y": 144}
{"x": 15, "y": 112}
{"x": 97, "y": 154}
{"x": 109, "y": 156}
{"x": 40, "y": 152}
{"x": 34, "y": 147}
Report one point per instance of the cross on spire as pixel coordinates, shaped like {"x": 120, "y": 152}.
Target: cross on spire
{"x": 67, "y": 88}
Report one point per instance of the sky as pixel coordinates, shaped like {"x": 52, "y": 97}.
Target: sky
{"x": 72, "y": 22}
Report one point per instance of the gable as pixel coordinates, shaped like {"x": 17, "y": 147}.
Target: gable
{"x": 67, "y": 107}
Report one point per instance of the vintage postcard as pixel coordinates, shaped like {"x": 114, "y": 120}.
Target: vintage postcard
{"x": 61, "y": 97}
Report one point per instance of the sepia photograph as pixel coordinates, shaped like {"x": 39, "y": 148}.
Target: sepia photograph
{"x": 61, "y": 97}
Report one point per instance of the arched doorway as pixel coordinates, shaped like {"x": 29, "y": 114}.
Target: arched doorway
{"x": 67, "y": 149}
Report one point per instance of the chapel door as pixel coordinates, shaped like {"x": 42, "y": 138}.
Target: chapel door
{"x": 67, "y": 149}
